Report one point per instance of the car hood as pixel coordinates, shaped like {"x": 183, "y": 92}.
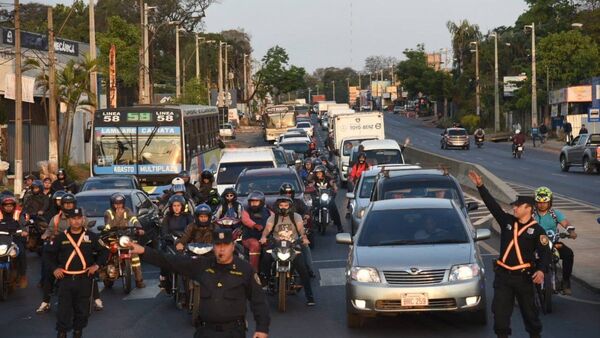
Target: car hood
{"x": 439, "y": 256}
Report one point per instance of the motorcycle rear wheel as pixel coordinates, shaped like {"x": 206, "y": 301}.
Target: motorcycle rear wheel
{"x": 127, "y": 276}
{"x": 3, "y": 285}
{"x": 282, "y": 291}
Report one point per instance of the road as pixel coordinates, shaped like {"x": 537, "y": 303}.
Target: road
{"x": 536, "y": 168}
{"x": 149, "y": 313}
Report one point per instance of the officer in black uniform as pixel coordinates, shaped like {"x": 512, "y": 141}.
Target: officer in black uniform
{"x": 74, "y": 256}
{"x": 227, "y": 283}
{"x": 517, "y": 268}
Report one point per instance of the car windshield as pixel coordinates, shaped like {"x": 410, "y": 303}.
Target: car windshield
{"x": 297, "y": 147}
{"x": 281, "y": 120}
{"x": 412, "y": 227}
{"x": 349, "y": 144}
{"x": 366, "y": 187}
{"x": 383, "y": 156}
{"x": 229, "y": 172}
{"x": 457, "y": 132}
{"x": 595, "y": 139}
{"x": 108, "y": 184}
{"x": 421, "y": 188}
{"x": 279, "y": 156}
{"x": 95, "y": 206}
{"x": 269, "y": 185}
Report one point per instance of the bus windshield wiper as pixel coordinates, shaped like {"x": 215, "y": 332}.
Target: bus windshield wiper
{"x": 149, "y": 140}
{"x": 126, "y": 138}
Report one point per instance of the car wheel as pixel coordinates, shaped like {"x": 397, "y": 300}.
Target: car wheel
{"x": 563, "y": 163}
{"x": 355, "y": 321}
{"x": 587, "y": 167}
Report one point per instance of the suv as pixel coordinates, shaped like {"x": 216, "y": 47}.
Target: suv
{"x": 583, "y": 151}
{"x": 268, "y": 181}
{"x": 455, "y": 137}
{"x": 114, "y": 182}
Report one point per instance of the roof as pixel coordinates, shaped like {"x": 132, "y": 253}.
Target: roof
{"x": 413, "y": 203}
{"x": 455, "y": 128}
{"x": 376, "y": 169}
{"x": 289, "y": 140}
{"x": 247, "y": 155}
{"x": 418, "y": 173}
{"x": 106, "y": 192}
{"x": 380, "y": 144}
{"x": 110, "y": 177}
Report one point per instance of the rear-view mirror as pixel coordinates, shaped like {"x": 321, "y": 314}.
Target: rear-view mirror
{"x": 350, "y": 195}
{"x": 344, "y": 238}
{"x": 482, "y": 234}
{"x": 91, "y": 224}
{"x": 471, "y": 206}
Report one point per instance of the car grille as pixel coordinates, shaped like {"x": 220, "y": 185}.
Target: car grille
{"x": 390, "y": 305}
{"x": 425, "y": 277}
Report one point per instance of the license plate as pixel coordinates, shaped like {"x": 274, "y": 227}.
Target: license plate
{"x": 520, "y": 148}
{"x": 415, "y": 299}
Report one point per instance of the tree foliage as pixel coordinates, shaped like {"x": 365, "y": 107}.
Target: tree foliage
{"x": 375, "y": 63}
{"x": 126, "y": 38}
{"x": 276, "y": 76}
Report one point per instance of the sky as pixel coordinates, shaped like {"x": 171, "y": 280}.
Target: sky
{"x": 340, "y": 33}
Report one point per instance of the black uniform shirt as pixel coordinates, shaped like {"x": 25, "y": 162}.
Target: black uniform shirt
{"x": 59, "y": 250}
{"x": 225, "y": 289}
{"x": 530, "y": 241}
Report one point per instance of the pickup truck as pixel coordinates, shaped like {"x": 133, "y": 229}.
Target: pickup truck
{"x": 583, "y": 151}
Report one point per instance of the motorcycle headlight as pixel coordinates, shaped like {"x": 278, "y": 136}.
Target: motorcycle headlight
{"x": 284, "y": 256}
{"x": 3, "y": 249}
{"x": 124, "y": 241}
{"x": 464, "y": 272}
{"x": 365, "y": 275}
{"x": 325, "y": 197}
{"x": 344, "y": 167}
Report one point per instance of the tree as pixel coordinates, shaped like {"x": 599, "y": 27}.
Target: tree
{"x": 569, "y": 56}
{"x": 375, "y": 63}
{"x": 195, "y": 93}
{"x": 549, "y": 16}
{"x": 276, "y": 76}
{"x": 463, "y": 33}
{"x": 126, "y": 38}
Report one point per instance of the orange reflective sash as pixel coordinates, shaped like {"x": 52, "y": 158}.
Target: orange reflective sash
{"x": 56, "y": 221}
{"x": 515, "y": 243}
{"x": 76, "y": 251}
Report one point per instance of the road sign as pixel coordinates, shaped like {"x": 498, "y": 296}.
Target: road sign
{"x": 594, "y": 115}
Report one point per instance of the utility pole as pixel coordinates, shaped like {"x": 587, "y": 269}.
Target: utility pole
{"x": 226, "y": 70}
{"x": 141, "y": 89}
{"x": 496, "y": 90}
{"x": 477, "y": 90}
{"x": 94, "y": 74}
{"x": 177, "y": 76}
{"x": 147, "y": 92}
{"x": 348, "y": 86}
{"x": 333, "y": 84}
{"x": 359, "y": 82}
{"x": 220, "y": 79}
{"x": 533, "y": 77}
{"x": 18, "y": 105}
{"x": 198, "y": 39}
{"x": 245, "y": 92}
{"x": 52, "y": 124}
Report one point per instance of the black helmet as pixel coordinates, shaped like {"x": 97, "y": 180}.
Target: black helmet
{"x": 68, "y": 198}
{"x": 177, "y": 198}
{"x": 363, "y": 155}
{"x": 323, "y": 158}
{"x": 202, "y": 209}
{"x": 256, "y": 196}
{"x": 207, "y": 174}
{"x": 61, "y": 171}
{"x": 117, "y": 198}
{"x": 184, "y": 174}
{"x": 320, "y": 168}
{"x": 229, "y": 191}
{"x": 37, "y": 183}
{"x": 308, "y": 161}
{"x": 57, "y": 196}
{"x": 286, "y": 189}
{"x": 178, "y": 188}
{"x": 317, "y": 162}
{"x": 283, "y": 212}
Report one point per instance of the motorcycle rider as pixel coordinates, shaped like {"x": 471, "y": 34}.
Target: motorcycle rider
{"x": 64, "y": 183}
{"x": 254, "y": 220}
{"x": 200, "y": 230}
{"x": 331, "y": 168}
{"x": 517, "y": 139}
{"x": 230, "y": 207}
{"x": 11, "y": 221}
{"x": 207, "y": 179}
{"x": 306, "y": 170}
{"x": 54, "y": 204}
{"x": 47, "y": 187}
{"x": 479, "y": 133}
{"x": 26, "y": 192}
{"x": 190, "y": 188}
{"x": 320, "y": 180}
{"x": 120, "y": 216}
{"x": 214, "y": 199}
{"x": 312, "y": 150}
{"x": 549, "y": 219}
{"x": 37, "y": 203}
{"x": 287, "y": 225}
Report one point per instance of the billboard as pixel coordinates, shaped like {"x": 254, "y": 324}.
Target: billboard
{"x": 353, "y": 93}
{"x": 579, "y": 94}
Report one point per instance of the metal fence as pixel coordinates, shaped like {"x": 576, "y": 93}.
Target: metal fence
{"x": 35, "y": 146}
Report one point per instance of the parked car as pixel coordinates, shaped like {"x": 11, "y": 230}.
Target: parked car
{"x": 111, "y": 182}
{"x": 227, "y": 130}
{"x": 306, "y": 126}
{"x": 268, "y": 181}
{"x": 583, "y": 151}
{"x": 95, "y": 202}
{"x": 455, "y": 138}
{"x": 414, "y": 255}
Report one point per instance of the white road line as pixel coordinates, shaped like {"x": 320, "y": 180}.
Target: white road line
{"x": 561, "y": 175}
{"x": 488, "y": 248}
{"x": 332, "y": 277}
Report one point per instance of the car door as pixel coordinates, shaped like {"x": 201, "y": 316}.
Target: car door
{"x": 576, "y": 153}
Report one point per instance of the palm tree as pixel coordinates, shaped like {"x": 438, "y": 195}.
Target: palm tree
{"x": 462, "y": 34}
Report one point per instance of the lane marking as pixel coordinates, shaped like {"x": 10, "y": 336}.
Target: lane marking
{"x": 560, "y": 175}
{"x": 579, "y": 300}
{"x": 332, "y": 277}
{"x": 489, "y": 248}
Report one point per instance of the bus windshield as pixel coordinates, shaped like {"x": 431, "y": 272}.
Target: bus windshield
{"x": 281, "y": 120}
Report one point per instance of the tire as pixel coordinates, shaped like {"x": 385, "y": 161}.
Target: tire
{"x": 563, "y": 163}
{"x": 3, "y": 285}
{"x": 195, "y": 301}
{"x": 108, "y": 284}
{"x": 127, "y": 276}
{"x": 355, "y": 321}
{"x": 282, "y": 291}
{"x": 587, "y": 167}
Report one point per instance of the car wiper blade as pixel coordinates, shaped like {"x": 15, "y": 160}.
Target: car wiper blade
{"x": 398, "y": 242}
{"x": 449, "y": 241}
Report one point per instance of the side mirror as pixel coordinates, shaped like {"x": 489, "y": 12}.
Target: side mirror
{"x": 276, "y": 143}
{"x": 344, "y": 238}
{"x": 100, "y": 227}
{"x": 91, "y": 224}
{"x": 143, "y": 211}
{"x": 350, "y": 195}
{"x": 482, "y": 234}
{"x": 471, "y": 206}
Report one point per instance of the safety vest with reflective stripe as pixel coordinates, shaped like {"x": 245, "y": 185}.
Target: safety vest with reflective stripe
{"x": 133, "y": 219}
{"x": 16, "y": 215}
{"x": 77, "y": 250}
{"x": 514, "y": 243}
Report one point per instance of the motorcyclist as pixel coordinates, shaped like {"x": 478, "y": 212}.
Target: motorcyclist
{"x": 306, "y": 170}
{"x": 38, "y": 203}
{"x": 207, "y": 179}
{"x": 312, "y": 150}
{"x": 254, "y": 220}
{"x": 54, "y": 204}
{"x": 230, "y": 207}
{"x": 329, "y": 144}
{"x": 214, "y": 199}
{"x": 549, "y": 219}
{"x": 47, "y": 187}
{"x": 200, "y": 230}
{"x": 298, "y": 165}
{"x": 64, "y": 183}
{"x": 358, "y": 168}
{"x": 26, "y": 192}
{"x": 120, "y": 216}
{"x": 287, "y": 225}
{"x": 11, "y": 221}
{"x": 190, "y": 188}
{"x": 321, "y": 181}
{"x": 518, "y": 139}
{"x": 177, "y": 188}
{"x": 479, "y": 132}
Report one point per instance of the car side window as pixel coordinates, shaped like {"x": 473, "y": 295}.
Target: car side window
{"x": 145, "y": 201}
{"x": 582, "y": 140}
{"x": 136, "y": 202}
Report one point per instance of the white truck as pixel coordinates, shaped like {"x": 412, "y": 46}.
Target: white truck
{"x": 350, "y": 130}
{"x": 323, "y": 105}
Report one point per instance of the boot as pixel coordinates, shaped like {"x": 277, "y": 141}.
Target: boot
{"x": 77, "y": 333}
{"x": 139, "y": 279}
{"x": 61, "y": 334}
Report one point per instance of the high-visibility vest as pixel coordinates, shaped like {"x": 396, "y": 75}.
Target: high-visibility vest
{"x": 514, "y": 244}
{"x": 77, "y": 251}
{"x": 16, "y": 215}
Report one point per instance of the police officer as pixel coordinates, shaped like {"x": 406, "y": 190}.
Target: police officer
{"x": 74, "y": 257}
{"x": 227, "y": 282}
{"x": 521, "y": 237}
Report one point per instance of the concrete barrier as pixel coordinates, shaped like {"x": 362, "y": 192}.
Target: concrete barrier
{"x": 459, "y": 169}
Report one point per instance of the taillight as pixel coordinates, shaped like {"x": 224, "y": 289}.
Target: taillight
{"x": 598, "y": 153}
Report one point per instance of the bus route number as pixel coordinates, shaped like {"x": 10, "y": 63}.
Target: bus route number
{"x": 111, "y": 116}
{"x": 165, "y": 116}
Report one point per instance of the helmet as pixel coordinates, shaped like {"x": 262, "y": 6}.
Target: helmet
{"x": 543, "y": 194}
{"x": 177, "y": 180}
{"x": 307, "y": 161}
{"x": 178, "y": 188}
{"x": 9, "y": 200}
{"x": 320, "y": 168}
{"x": 57, "y": 196}
{"x": 177, "y": 198}
{"x": 184, "y": 174}
{"x": 363, "y": 155}
{"x": 30, "y": 177}
{"x": 68, "y": 198}
{"x": 207, "y": 174}
{"x": 283, "y": 212}
{"x": 312, "y": 146}
{"x": 213, "y": 197}
{"x": 37, "y": 183}
{"x": 317, "y": 162}
{"x": 61, "y": 171}
{"x": 518, "y": 131}
{"x": 202, "y": 209}
{"x": 298, "y": 161}
{"x": 256, "y": 196}
{"x": 117, "y": 198}
{"x": 286, "y": 189}
{"x": 229, "y": 191}
{"x": 323, "y": 158}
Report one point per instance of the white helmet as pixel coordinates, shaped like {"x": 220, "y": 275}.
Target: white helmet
{"x": 518, "y": 131}
{"x": 177, "y": 180}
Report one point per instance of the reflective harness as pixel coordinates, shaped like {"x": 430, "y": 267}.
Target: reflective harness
{"x": 57, "y": 221}
{"x": 16, "y": 215}
{"x": 515, "y": 243}
{"x": 112, "y": 218}
{"x": 76, "y": 251}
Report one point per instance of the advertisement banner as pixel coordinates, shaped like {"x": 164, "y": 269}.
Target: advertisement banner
{"x": 27, "y": 88}
{"x": 579, "y": 94}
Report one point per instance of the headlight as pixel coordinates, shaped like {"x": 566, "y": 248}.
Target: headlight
{"x": 365, "y": 275}
{"x": 344, "y": 167}
{"x": 464, "y": 272}
{"x": 124, "y": 241}
{"x": 3, "y": 249}
{"x": 284, "y": 256}
{"x": 325, "y": 197}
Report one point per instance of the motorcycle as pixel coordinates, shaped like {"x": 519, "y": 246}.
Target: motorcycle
{"x": 119, "y": 258}
{"x": 552, "y": 279}
{"x": 479, "y": 141}
{"x": 169, "y": 247}
{"x": 321, "y": 209}
{"x": 518, "y": 152}
{"x": 36, "y": 226}
{"x": 282, "y": 279}
{"x": 192, "y": 290}
{"x": 8, "y": 252}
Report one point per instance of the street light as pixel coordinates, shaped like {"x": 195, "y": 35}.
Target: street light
{"x": 476, "y": 51}
{"x": 177, "y": 76}
{"x": 533, "y": 76}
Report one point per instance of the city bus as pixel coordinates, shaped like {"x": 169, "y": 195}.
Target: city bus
{"x": 277, "y": 120}
{"x": 155, "y": 143}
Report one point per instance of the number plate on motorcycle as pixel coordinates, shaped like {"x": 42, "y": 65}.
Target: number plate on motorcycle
{"x": 520, "y": 148}
{"x": 415, "y": 299}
